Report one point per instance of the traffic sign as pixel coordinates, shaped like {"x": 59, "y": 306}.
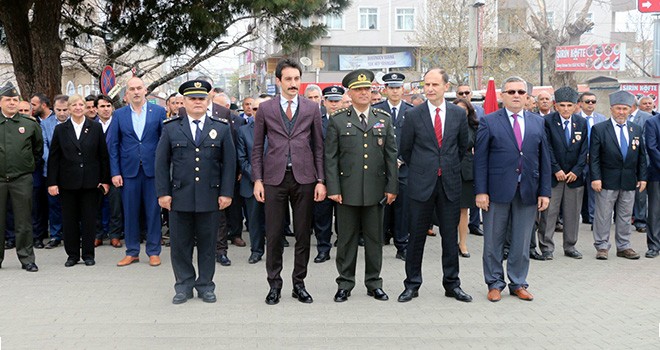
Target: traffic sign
{"x": 648, "y": 6}
{"x": 107, "y": 80}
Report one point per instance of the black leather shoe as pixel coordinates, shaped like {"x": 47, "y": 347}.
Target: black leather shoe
{"x": 180, "y": 298}
{"x": 254, "y": 258}
{"x": 322, "y": 257}
{"x": 38, "y": 244}
{"x": 506, "y": 254}
{"x": 52, "y": 244}
{"x": 361, "y": 241}
{"x": 285, "y": 243}
{"x": 299, "y": 292}
{"x": 207, "y": 297}
{"x": 31, "y": 267}
{"x": 458, "y": 294}
{"x": 10, "y": 245}
{"x": 223, "y": 260}
{"x": 70, "y": 262}
{"x": 641, "y": 229}
{"x": 547, "y": 255}
{"x": 378, "y": 294}
{"x": 573, "y": 254}
{"x": 477, "y": 231}
{"x": 536, "y": 256}
{"x": 273, "y": 296}
{"x": 342, "y": 295}
{"x": 401, "y": 254}
{"x": 408, "y": 295}
{"x": 90, "y": 262}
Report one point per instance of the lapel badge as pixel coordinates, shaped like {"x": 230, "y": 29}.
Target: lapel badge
{"x": 21, "y": 130}
{"x": 86, "y": 130}
{"x": 634, "y": 147}
{"x": 573, "y": 141}
{"x": 558, "y": 123}
{"x": 349, "y": 125}
{"x": 573, "y": 125}
{"x": 213, "y": 134}
{"x": 578, "y": 137}
{"x": 380, "y": 141}
{"x": 382, "y": 120}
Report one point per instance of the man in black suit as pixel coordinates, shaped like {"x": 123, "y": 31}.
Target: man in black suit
{"x": 618, "y": 168}
{"x": 396, "y": 215}
{"x": 195, "y": 172}
{"x": 433, "y": 143}
{"x": 567, "y": 137}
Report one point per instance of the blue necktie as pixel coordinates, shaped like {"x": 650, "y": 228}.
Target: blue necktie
{"x": 623, "y": 143}
{"x": 198, "y": 132}
{"x": 393, "y": 115}
{"x": 567, "y": 133}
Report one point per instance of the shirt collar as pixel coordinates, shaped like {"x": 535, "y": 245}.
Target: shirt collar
{"x": 615, "y": 123}
{"x": 398, "y": 107}
{"x": 520, "y": 114}
{"x": 201, "y": 120}
{"x": 442, "y": 106}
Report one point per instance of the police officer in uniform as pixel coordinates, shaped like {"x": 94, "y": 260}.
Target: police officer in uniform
{"x": 395, "y": 222}
{"x": 200, "y": 152}
{"x": 361, "y": 175}
{"x": 21, "y": 147}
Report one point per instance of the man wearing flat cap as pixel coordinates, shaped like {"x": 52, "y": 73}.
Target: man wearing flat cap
{"x": 22, "y": 148}
{"x": 395, "y": 222}
{"x": 618, "y": 168}
{"x": 361, "y": 173}
{"x": 567, "y": 137}
{"x": 200, "y": 153}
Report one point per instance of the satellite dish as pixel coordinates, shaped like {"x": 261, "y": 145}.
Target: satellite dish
{"x": 305, "y": 61}
{"x": 379, "y": 78}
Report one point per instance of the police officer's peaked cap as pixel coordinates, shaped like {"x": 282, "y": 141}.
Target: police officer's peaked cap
{"x": 333, "y": 93}
{"x": 394, "y": 79}
{"x": 195, "y": 88}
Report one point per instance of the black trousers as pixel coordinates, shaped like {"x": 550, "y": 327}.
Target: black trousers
{"x": 186, "y": 228}
{"x": 323, "y": 225}
{"x": 421, "y": 215}
{"x": 79, "y": 213}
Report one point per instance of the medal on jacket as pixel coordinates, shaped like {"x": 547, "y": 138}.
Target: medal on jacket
{"x": 86, "y": 130}
{"x": 21, "y": 130}
{"x": 213, "y": 134}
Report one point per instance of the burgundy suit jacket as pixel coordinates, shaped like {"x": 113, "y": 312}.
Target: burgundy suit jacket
{"x": 305, "y": 143}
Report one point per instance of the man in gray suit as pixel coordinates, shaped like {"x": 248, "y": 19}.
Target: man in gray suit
{"x": 640, "y": 208}
{"x": 588, "y": 111}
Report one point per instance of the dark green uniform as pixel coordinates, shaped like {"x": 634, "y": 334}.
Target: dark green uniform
{"x": 360, "y": 164}
{"x": 21, "y": 146}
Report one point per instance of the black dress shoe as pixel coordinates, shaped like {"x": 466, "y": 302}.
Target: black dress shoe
{"x": 10, "y": 245}
{"x": 223, "y": 260}
{"x": 52, "y": 244}
{"x": 342, "y": 295}
{"x": 378, "y": 294}
{"x": 477, "y": 231}
{"x": 536, "y": 256}
{"x": 254, "y": 258}
{"x": 506, "y": 254}
{"x": 573, "y": 254}
{"x": 273, "y": 296}
{"x": 207, "y": 296}
{"x": 651, "y": 253}
{"x": 641, "y": 229}
{"x": 299, "y": 292}
{"x": 180, "y": 298}
{"x": 38, "y": 244}
{"x": 361, "y": 241}
{"x": 285, "y": 243}
{"x": 31, "y": 267}
{"x": 401, "y": 254}
{"x": 90, "y": 262}
{"x": 458, "y": 294}
{"x": 408, "y": 295}
{"x": 322, "y": 257}
{"x": 70, "y": 262}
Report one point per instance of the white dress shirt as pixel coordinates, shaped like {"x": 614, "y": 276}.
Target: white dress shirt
{"x": 193, "y": 127}
{"x": 105, "y": 125}
{"x": 77, "y": 127}
{"x": 284, "y": 103}
{"x": 617, "y": 132}
{"x": 521, "y": 121}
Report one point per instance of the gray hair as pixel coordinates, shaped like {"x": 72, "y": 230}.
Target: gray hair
{"x": 514, "y": 79}
{"x": 552, "y": 98}
{"x": 312, "y": 87}
{"x": 225, "y": 97}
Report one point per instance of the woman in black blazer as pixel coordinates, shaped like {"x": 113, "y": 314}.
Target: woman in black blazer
{"x": 467, "y": 189}
{"x": 79, "y": 171}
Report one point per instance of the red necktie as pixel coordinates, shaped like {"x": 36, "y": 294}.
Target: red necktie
{"x": 438, "y": 132}
{"x": 289, "y": 114}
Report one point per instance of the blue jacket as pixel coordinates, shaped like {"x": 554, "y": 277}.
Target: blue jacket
{"x": 398, "y": 128}
{"x": 652, "y": 136}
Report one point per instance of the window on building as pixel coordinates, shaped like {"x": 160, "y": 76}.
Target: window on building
{"x": 368, "y": 18}
{"x": 305, "y": 22}
{"x": 334, "y": 22}
{"x": 405, "y": 19}
{"x": 550, "y": 17}
{"x": 510, "y": 21}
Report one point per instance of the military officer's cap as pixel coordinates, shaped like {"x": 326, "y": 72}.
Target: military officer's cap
{"x": 195, "y": 88}
{"x": 394, "y": 79}
{"x": 358, "y": 78}
{"x": 622, "y": 98}
{"x": 566, "y": 94}
{"x": 333, "y": 93}
{"x": 8, "y": 91}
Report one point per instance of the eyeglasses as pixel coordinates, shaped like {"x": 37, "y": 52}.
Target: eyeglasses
{"x": 513, "y": 92}
{"x": 591, "y": 102}
{"x": 463, "y": 93}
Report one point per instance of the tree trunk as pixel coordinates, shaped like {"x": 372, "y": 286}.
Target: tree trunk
{"x": 34, "y": 45}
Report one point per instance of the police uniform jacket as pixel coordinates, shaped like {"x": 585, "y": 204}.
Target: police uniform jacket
{"x": 398, "y": 127}
{"x": 21, "y": 145}
{"x": 199, "y": 174}
{"x": 360, "y": 164}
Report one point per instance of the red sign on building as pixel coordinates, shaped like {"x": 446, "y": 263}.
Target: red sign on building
{"x": 642, "y": 89}
{"x": 600, "y": 57}
{"x": 648, "y": 6}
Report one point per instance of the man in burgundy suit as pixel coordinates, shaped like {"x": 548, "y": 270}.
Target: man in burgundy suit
{"x": 291, "y": 170}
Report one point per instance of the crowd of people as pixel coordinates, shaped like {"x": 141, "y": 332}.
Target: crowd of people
{"x": 383, "y": 170}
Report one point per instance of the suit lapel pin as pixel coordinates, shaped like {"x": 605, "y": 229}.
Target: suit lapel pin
{"x": 558, "y": 123}
{"x": 349, "y": 125}
{"x": 213, "y": 134}
{"x": 86, "y": 130}
{"x": 577, "y": 137}
{"x": 380, "y": 141}
{"x": 21, "y": 130}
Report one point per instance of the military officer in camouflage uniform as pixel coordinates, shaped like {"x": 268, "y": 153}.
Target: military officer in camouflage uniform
{"x": 21, "y": 147}
{"x": 195, "y": 172}
{"x": 361, "y": 176}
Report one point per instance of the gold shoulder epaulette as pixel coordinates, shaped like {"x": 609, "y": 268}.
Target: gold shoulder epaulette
{"x": 338, "y": 111}
{"x": 378, "y": 110}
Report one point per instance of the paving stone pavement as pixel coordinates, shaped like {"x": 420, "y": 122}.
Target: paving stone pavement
{"x": 579, "y": 304}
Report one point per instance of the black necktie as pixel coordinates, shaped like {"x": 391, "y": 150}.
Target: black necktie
{"x": 363, "y": 120}
{"x": 393, "y": 114}
{"x": 198, "y": 132}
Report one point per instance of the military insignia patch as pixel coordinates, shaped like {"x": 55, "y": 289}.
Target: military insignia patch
{"x": 213, "y": 134}
{"x": 578, "y": 137}
{"x": 198, "y": 84}
{"x": 21, "y": 130}
{"x": 380, "y": 141}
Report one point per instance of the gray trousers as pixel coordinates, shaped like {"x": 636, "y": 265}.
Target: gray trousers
{"x": 640, "y": 209}
{"x": 653, "y": 220}
{"x": 571, "y": 198}
{"x": 605, "y": 201}
{"x": 495, "y": 231}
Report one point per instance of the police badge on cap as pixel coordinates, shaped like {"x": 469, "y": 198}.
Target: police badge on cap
{"x": 394, "y": 79}
{"x": 333, "y": 93}
{"x": 195, "y": 88}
